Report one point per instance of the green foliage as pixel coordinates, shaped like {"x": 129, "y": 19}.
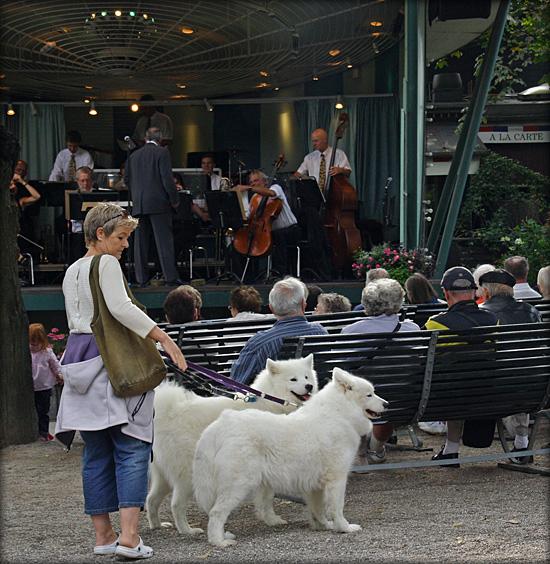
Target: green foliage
{"x": 502, "y": 195}
{"x": 532, "y": 240}
{"x": 399, "y": 262}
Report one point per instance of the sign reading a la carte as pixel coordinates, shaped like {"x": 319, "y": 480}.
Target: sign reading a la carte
{"x": 515, "y": 134}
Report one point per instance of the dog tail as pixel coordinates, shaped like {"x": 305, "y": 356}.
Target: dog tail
{"x": 205, "y": 470}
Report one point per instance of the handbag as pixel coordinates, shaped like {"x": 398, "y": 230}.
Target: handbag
{"x": 133, "y": 363}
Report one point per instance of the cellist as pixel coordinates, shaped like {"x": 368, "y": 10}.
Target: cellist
{"x": 317, "y": 162}
{"x": 285, "y": 230}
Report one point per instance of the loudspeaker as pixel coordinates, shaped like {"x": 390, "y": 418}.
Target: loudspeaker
{"x": 445, "y": 10}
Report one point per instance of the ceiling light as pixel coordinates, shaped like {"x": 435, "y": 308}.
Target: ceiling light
{"x": 349, "y": 64}
{"x": 86, "y": 100}
{"x": 88, "y": 87}
{"x": 314, "y": 77}
{"x": 376, "y": 34}
{"x": 118, "y": 13}
{"x": 264, "y": 73}
{"x": 208, "y": 105}
{"x": 187, "y": 30}
{"x": 11, "y": 111}
{"x": 92, "y": 111}
{"x": 134, "y": 107}
{"x": 145, "y": 17}
{"x": 180, "y": 85}
{"x": 103, "y": 14}
{"x": 334, "y": 52}
{"x": 376, "y": 23}
{"x": 276, "y": 89}
{"x": 132, "y": 14}
{"x": 262, "y": 85}
{"x": 339, "y": 104}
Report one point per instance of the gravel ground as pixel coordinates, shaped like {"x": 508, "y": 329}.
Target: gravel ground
{"x": 479, "y": 513}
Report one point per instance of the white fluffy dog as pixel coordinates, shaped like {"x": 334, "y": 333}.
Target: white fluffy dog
{"x": 307, "y": 453}
{"x": 181, "y": 416}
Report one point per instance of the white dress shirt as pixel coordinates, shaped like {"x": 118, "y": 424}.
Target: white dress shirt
{"x": 312, "y": 162}
{"x": 158, "y": 119}
{"x": 286, "y": 218}
{"x": 60, "y": 170}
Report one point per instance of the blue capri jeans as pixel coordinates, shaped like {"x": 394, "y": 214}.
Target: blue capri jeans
{"x": 114, "y": 470}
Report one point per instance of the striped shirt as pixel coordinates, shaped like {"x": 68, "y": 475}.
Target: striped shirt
{"x": 267, "y": 344}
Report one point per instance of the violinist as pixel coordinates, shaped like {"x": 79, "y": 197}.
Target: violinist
{"x": 285, "y": 230}
{"x": 317, "y": 162}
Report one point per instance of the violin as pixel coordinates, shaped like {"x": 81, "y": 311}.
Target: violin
{"x": 255, "y": 238}
{"x": 341, "y": 205}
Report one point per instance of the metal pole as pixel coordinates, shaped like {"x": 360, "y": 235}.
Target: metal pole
{"x": 458, "y": 173}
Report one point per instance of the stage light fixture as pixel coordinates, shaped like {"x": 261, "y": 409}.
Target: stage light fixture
{"x": 11, "y": 111}
{"x": 118, "y": 13}
{"x": 208, "y": 105}
{"x": 134, "y": 107}
{"x": 93, "y": 111}
{"x": 86, "y": 100}
{"x": 339, "y": 104}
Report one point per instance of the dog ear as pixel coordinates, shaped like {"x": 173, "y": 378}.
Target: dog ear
{"x": 309, "y": 360}
{"x": 342, "y": 379}
{"x": 271, "y": 366}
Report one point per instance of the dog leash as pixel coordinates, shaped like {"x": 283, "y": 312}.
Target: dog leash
{"x": 239, "y": 387}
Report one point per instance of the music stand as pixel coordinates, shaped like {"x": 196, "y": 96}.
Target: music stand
{"x": 226, "y": 211}
{"x": 308, "y": 193}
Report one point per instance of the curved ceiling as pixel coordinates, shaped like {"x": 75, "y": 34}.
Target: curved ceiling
{"x": 54, "y": 49}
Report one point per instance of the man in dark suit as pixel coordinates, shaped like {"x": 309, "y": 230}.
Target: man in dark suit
{"x": 148, "y": 175}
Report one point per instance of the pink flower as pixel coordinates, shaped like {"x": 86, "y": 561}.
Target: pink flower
{"x": 369, "y": 266}
{"x": 54, "y": 330}
{"x": 370, "y": 259}
{"x": 377, "y": 265}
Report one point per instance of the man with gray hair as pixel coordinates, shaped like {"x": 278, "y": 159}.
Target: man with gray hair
{"x": 287, "y": 302}
{"x": 518, "y": 267}
{"x": 148, "y": 175}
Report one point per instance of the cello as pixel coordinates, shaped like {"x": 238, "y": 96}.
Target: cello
{"x": 341, "y": 205}
{"x": 254, "y": 239}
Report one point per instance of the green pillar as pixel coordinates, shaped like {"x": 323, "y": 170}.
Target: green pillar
{"x": 412, "y": 124}
{"x": 455, "y": 183}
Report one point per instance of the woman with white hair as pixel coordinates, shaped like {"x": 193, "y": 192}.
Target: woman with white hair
{"x": 477, "y": 274}
{"x": 382, "y": 300}
{"x": 543, "y": 282}
{"x": 117, "y": 431}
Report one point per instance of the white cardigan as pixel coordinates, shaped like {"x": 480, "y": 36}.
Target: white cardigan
{"x": 88, "y": 402}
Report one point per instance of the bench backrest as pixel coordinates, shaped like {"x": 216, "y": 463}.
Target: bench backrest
{"x": 440, "y": 375}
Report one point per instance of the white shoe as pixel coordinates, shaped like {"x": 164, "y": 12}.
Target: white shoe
{"x": 138, "y": 553}
{"x": 433, "y": 427}
{"x": 375, "y": 456}
{"x": 104, "y": 549}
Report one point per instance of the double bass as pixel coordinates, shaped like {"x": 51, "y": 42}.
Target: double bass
{"x": 255, "y": 238}
{"x": 341, "y": 205}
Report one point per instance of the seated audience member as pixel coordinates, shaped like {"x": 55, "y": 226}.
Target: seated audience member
{"x": 69, "y": 160}
{"x": 287, "y": 302}
{"x": 382, "y": 300}
{"x": 420, "y": 291}
{"x": 477, "y": 273}
{"x": 182, "y": 305}
{"x": 497, "y": 287}
{"x": 543, "y": 282}
{"x": 372, "y": 275}
{"x": 463, "y": 313}
{"x": 518, "y": 267}
{"x": 332, "y": 303}
{"x": 245, "y": 302}
{"x": 312, "y": 296}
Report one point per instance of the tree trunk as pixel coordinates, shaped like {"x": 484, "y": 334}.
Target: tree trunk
{"x": 18, "y": 420}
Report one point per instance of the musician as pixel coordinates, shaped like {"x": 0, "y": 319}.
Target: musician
{"x": 151, "y": 117}
{"x": 285, "y": 229}
{"x": 84, "y": 179}
{"x": 69, "y": 160}
{"x": 212, "y": 179}
{"x": 317, "y": 162}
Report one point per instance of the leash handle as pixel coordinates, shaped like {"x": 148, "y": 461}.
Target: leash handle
{"x": 227, "y": 382}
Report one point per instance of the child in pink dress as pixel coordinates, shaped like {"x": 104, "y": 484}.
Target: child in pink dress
{"x": 46, "y": 373}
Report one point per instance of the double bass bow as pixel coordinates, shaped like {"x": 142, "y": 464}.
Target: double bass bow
{"x": 254, "y": 239}
{"x": 341, "y": 205}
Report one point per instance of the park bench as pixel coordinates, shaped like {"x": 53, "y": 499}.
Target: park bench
{"x": 480, "y": 373}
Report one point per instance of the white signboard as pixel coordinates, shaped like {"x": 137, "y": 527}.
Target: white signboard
{"x": 514, "y": 135}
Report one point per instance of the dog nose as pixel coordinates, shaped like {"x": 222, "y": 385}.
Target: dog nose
{"x": 309, "y": 387}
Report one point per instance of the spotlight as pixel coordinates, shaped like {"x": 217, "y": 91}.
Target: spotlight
{"x": 339, "y": 104}
{"x": 11, "y": 111}
{"x": 93, "y": 111}
{"x": 134, "y": 107}
{"x": 187, "y": 30}
{"x": 315, "y": 77}
{"x": 208, "y": 105}
{"x": 118, "y": 13}
{"x": 86, "y": 100}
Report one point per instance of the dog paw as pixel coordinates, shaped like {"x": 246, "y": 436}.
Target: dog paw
{"x": 229, "y": 535}
{"x": 224, "y": 543}
{"x": 274, "y": 521}
{"x": 195, "y": 531}
{"x": 351, "y": 528}
{"x": 165, "y": 525}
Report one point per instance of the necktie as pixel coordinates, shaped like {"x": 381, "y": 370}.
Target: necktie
{"x": 72, "y": 169}
{"x": 322, "y": 173}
